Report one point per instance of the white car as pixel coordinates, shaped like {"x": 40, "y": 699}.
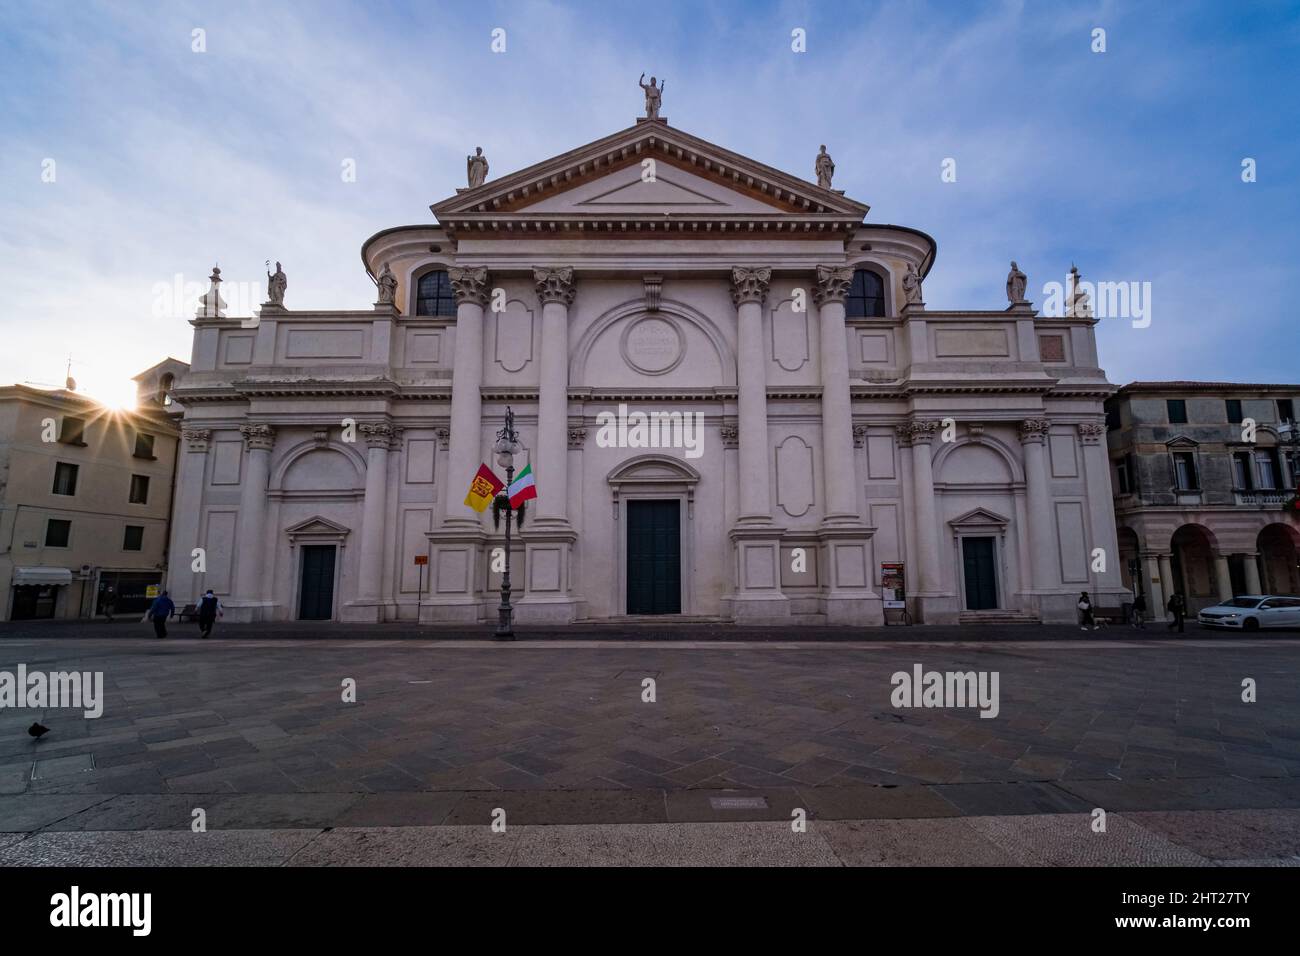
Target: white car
{"x": 1250, "y": 612}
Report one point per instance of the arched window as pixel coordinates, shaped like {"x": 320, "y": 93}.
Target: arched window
{"x": 164, "y": 388}
{"x": 433, "y": 295}
{"x": 866, "y": 295}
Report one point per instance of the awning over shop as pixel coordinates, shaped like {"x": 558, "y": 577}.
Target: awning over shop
{"x": 41, "y": 576}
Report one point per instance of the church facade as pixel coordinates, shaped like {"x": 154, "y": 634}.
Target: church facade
{"x": 731, "y": 394}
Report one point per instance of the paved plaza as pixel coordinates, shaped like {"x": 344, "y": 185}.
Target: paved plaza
{"x": 251, "y": 727}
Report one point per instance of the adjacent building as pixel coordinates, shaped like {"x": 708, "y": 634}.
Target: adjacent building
{"x": 1202, "y": 471}
{"x": 85, "y": 499}
{"x": 732, "y": 396}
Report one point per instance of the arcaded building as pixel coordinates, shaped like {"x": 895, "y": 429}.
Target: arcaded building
{"x": 1203, "y": 472}
{"x": 729, "y": 389}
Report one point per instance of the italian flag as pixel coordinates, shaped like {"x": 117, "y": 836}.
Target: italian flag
{"x": 523, "y": 487}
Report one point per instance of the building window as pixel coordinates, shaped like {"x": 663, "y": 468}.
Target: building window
{"x": 1233, "y": 406}
{"x": 1177, "y": 408}
{"x": 1267, "y": 475}
{"x": 1113, "y": 420}
{"x": 57, "y": 533}
{"x": 139, "y": 489}
{"x": 133, "y": 540}
{"x": 433, "y": 294}
{"x": 1293, "y": 466}
{"x": 1185, "y": 471}
{"x": 143, "y": 446}
{"x": 866, "y": 295}
{"x": 72, "y": 430}
{"x": 65, "y": 479}
{"x": 164, "y": 388}
{"x": 1241, "y": 470}
{"x": 1126, "y": 472}
{"x": 1285, "y": 410}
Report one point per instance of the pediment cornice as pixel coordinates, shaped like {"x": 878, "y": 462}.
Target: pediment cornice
{"x": 502, "y": 205}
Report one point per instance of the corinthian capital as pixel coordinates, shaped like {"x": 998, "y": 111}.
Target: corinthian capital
{"x": 469, "y": 285}
{"x": 749, "y": 285}
{"x": 197, "y": 438}
{"x": 1034, "y": 429}
{"x": 833, "y": 284}
{"x": 1091, "y": 432}
{"x": 377, "y": 434}
{"x": 918, "y": 431}
{"x": 258, "y": 436}
{"x": 555, "y": 285}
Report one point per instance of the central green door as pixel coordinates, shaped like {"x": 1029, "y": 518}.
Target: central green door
{"x": 978, "y": 568}
{"x": 654, "y": 564}
{"x": 317, "y": 600}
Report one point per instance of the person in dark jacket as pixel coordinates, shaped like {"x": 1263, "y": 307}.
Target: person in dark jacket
{"x": 209, "y": 610}
{"x": 1086, "y": 619}
{"x": 1177, "y": 607}
{"x": 159, "y": 611}
{"x": 110, "y": 602}
{"x": 1140, "y": 612}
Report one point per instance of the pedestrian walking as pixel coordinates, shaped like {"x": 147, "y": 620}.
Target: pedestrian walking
{"x": 159, "y": 611}
{"x": 1086, "y": 620}
{"x": 209, "y": 610}
{"x": 1177, "y": 607}
{"x": 109, "y": 602}
{"x": 1140, "y": 612}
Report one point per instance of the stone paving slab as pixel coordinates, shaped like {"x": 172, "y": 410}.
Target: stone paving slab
{"x": 1069, "y": 840}
{"x": 158, "y": 848}
{"x": 931, "y": 842}
{"x": 1226, "y": 835}
{"x": 1023, "y": 840}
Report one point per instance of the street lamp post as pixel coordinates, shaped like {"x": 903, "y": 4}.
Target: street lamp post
{"x": 507, "y": 446}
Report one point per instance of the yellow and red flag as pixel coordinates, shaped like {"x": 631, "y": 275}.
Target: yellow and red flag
{"x": 483, "y": 489}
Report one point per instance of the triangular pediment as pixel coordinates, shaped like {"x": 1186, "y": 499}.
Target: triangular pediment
{"x": 317, "y": 525}
{"x": 646, "y": 171}
{"x": 979, "y": 518}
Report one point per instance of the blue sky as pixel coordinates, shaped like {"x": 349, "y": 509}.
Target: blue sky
{"x": 1127, "y": 162}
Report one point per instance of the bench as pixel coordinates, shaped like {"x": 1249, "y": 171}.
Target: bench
{"x": 189, "y": 612}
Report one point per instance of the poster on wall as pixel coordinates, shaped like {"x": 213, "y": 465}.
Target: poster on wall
{"x": 892, "y": 590}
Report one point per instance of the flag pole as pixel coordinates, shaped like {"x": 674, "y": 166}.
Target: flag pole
{"x": 507, "y": 445}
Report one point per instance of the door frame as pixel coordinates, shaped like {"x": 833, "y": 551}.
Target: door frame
{"x": 334, "y": 587}
{"x": 658, "y": 478}
{"x": 681, "y": 547}
{"x": 998, "y": 574}
{"x": 684, "y": 549}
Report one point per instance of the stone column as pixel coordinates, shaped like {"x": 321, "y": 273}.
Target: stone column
{"x": 749, "y": 291}
{"x": 374, "y": 519}
{"x": 917, "y": 435}
{"x": 191, "y": 459}
{"x": 758, "y": 597}
{"x": 1033, "y": 435}
{"x": 1101, "y": 509}
{"x": 250, "y": 527}
{"x": 471, "y": 289}
{"x": 555, "y": 290}
{"x": 457, "y": 573}
{"x": 837, "y": 413}
{"x": 1252, "y": 574}
{"x": 1167, "y": 584}
{"x": 1222, "y": 577}
{"x": 1154, "y": 585}
{"x": 548, "y": 539}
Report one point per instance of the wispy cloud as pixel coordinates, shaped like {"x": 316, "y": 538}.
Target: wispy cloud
{"x": 1126, "y": 162}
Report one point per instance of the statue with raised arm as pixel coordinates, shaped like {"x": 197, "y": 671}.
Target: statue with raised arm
{"x": 653, "y": 96}
{"x": 1016, "y": 281}
{"x": 387, "y": 286}
{"x": 825, "y": 168}
{"x": 476, "y": 167}
{"x": 275, "y": 286}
